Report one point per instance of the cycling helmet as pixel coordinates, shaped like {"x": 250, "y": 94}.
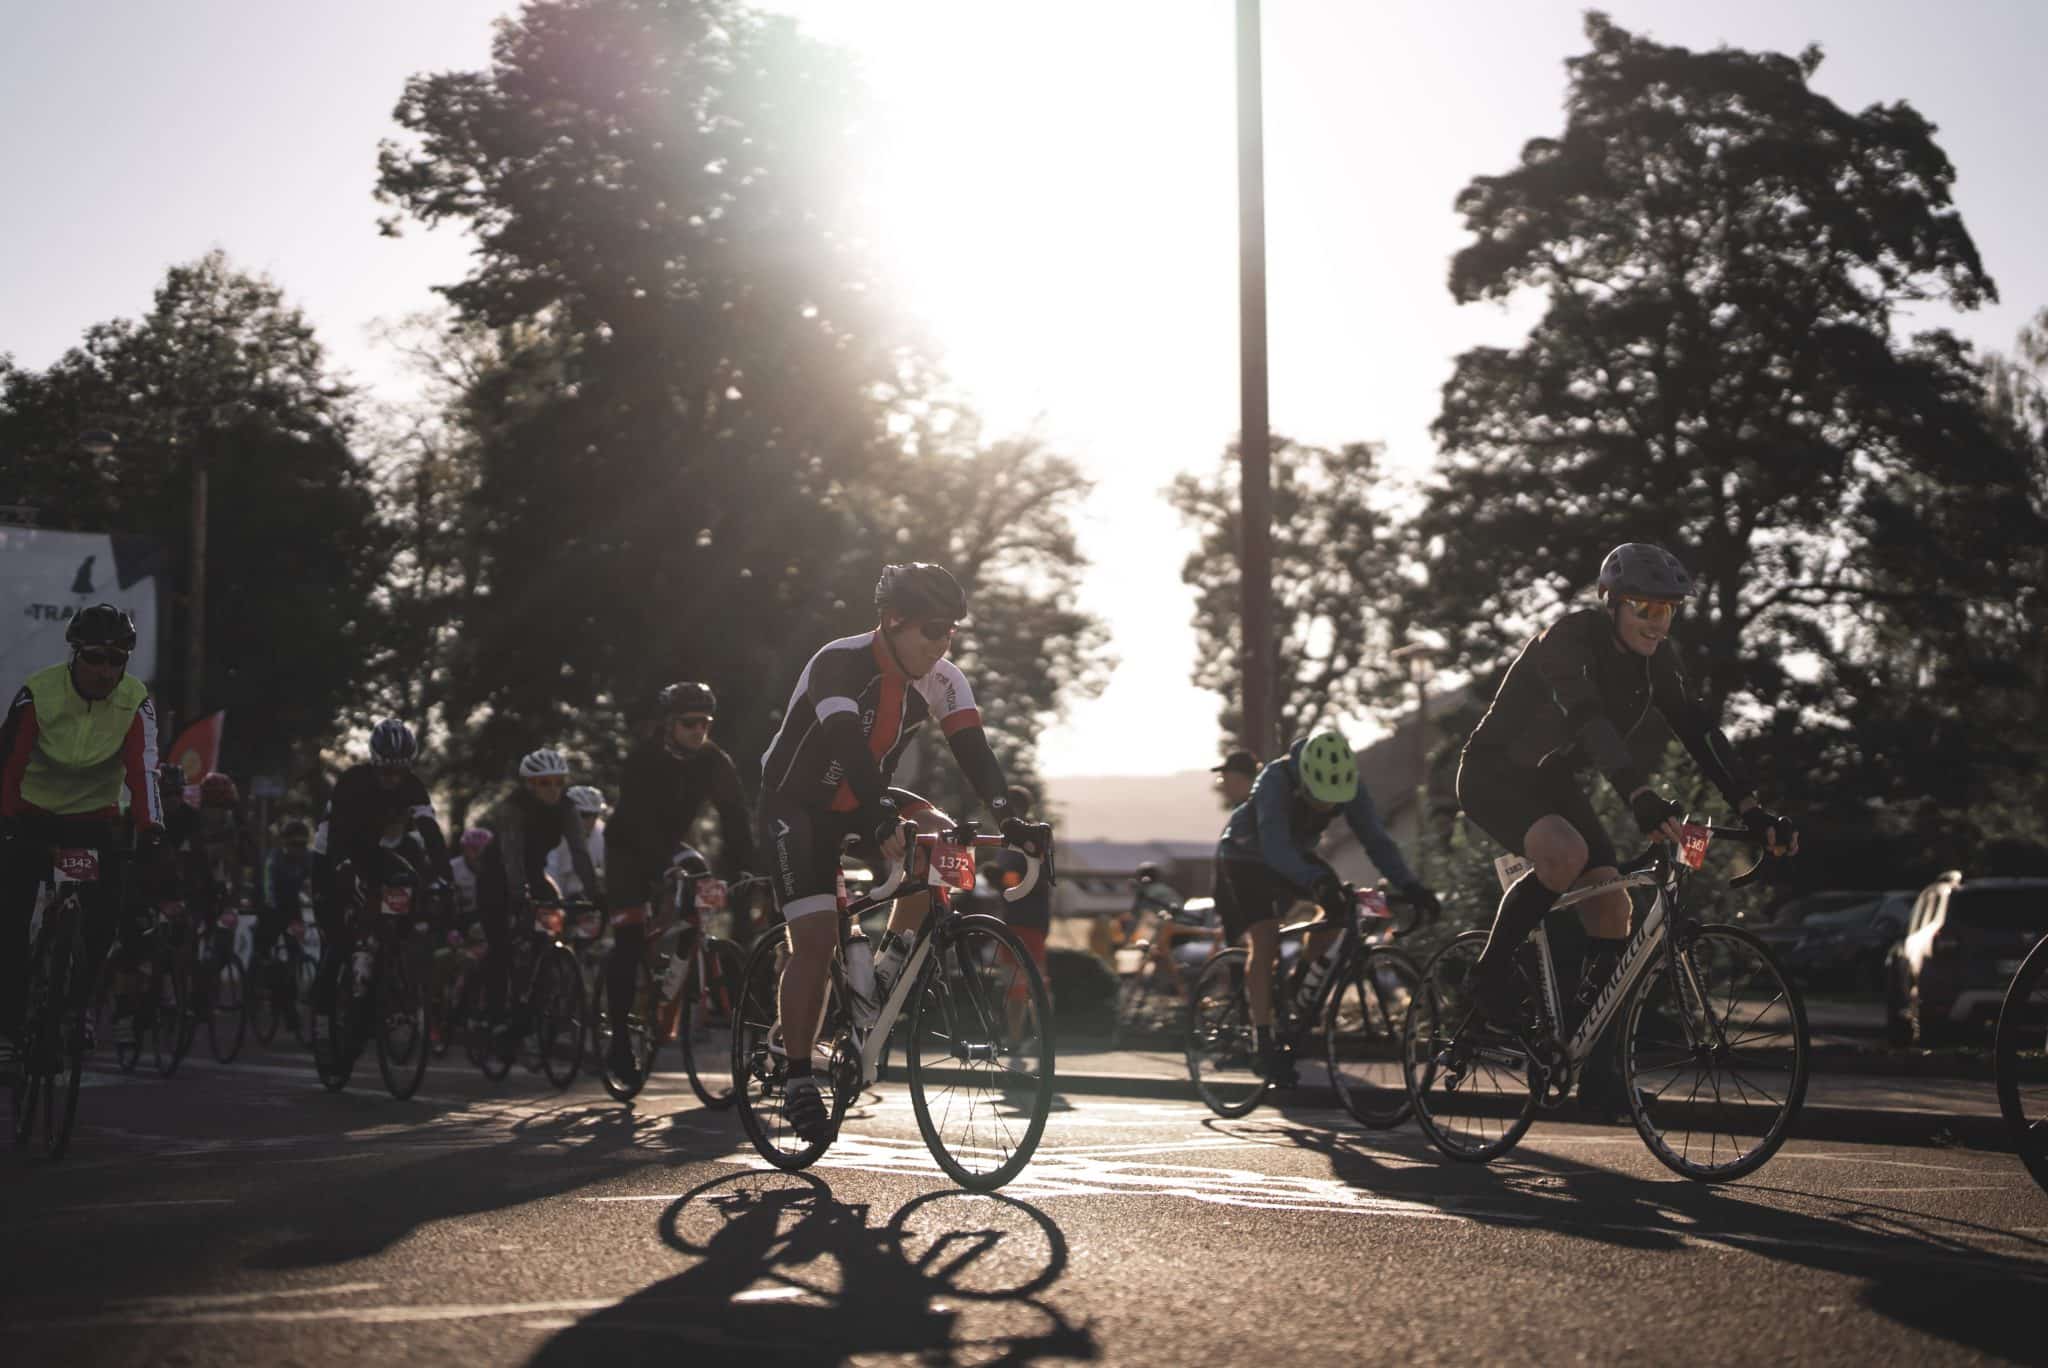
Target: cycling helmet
{"x": 475, "y": 839}
{"x": 544, "y": 763}
{"x": 1644, "y": 571}
{"x": 393, "y": 746}
{"x": 101, "y": 625}
{"x": 691, "y": 861}
{"x": 295, "y": 829}
{"x": 217, "y": 790}
{"x": 1148, "y": 873}
{"x": 920, "y": 589}
{"x": 587, "y": 800}
{"x": 1329, "y": 769}
{"x": 687, "y": 697}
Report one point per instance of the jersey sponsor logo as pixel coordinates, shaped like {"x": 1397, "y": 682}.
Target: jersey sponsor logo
{"x": 782, "y": 826}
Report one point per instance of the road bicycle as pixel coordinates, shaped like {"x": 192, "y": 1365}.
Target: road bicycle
{"x": 979, "y": 1048}
{"x": 1357, "y": 994}
{"x": 545, "y": 1002}
{"x": 382, "y": 987}
{"x": 1152, "y": 979}
{"x": 223, "y": 1000}
{"x": 1713, "y": 1051}
{"x": 2022, "y": 1045}
{"x": 161, "y": 969}
{"x": 281, "y": 988}
{"x": 57, "y": 1007}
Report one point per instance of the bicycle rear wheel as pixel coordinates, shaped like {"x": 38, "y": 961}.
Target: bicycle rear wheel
{"x": 641, "y": 1028}
{"x": 980, "y": 1053}
{"x": 399, "y": 1009}
{"x": 264, "y": 989}
{"x": 170, "y": 1018}
{"x": 1222, "y": 1053}
{"x": 705, "y": 1031}
{"x": 1721, "y": 1053}
{"x": 228, "y": 1023}
{"x": 2021, "y": 1049}
{"x": 559, "y": 1007}
{"x": 334, "y": 1045}
{"x": 761, "y": 1071}
{"x": 305, "y": 973}
{"x": 1475, "y": 1089}
{"x": 52, "y": 1063}
{"x": 1363, "y": 1030}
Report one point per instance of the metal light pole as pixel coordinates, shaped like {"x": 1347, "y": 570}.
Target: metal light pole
{"x": 1254, "y": 454}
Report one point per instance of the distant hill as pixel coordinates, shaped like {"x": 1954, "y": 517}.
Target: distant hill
{"x": 1156, "y": 807}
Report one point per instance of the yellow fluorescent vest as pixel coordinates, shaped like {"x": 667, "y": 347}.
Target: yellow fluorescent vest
{"x": 76, "y": 766}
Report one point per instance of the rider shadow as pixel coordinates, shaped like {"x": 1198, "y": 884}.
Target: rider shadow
{"x": 1941, "y": 1285}
{"x": 785, "y": 1274}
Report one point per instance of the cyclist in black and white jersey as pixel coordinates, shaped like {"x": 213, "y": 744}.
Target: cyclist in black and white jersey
{"x": 825, "y": 784}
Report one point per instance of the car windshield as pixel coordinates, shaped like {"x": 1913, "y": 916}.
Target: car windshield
{"x": 2000, "y": 909}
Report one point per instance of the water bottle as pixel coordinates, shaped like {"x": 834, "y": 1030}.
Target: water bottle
{"x": 889, "y": 964}
{"x": 359, "y": 968}
{"x": 1312, "y": 981}
{"x": 672, "y": 978}
{"x": 860, "y": 981}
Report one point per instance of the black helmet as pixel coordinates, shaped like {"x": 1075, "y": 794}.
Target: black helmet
{"x": 1148, "y": 873}
{"x": 1645, "y": 571}
{"x": 101, "y": 625}
{"x": 920, "y": 589}
{"x": 295, "y": 828}
{"x": 687, "y": 697}
{"x": 393, "y": 746}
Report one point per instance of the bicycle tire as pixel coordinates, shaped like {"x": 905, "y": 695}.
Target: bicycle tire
{"x": 1473, "y": 1125}
{"x": 759, "y": 1070}
{"x": 965, "y": 995}
{"x": 52, "y": 1063}
{"x": 171, "y": 1025}
{"x": 227, "y": 1023}
{"x": 1364, "y": 1062}
{"x": 2024, "y": 1108}
{"x": 705, "y": 1005}
{"x": 559, "y": 1007}
{"x": 334, "y": 1053}
{"x": 264, "y": 1017}
{"x": 305, "y": 973}
{"x": 643, "y": 1030}
{"x": 1650, "y": 1015}
{"x": 1220, "y": 1046}
{"x": 398, "y": 1001}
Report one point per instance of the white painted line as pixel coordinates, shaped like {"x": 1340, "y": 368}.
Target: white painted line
{"x": 771, "y": 1294}
{"x": 128, "y": 1206}
{"x": 360, "y": 1315}
{"x": 1996, "y": 1187}
{"x": 243, "y": 1298}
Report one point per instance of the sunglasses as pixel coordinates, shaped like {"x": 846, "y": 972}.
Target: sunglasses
{"x": 696, "y": 722}
{"x": 548, "y": 781}
{"x": 938, "y": 629}
{"x": 103, "y": 656}
{"x": 1651, "y": 610}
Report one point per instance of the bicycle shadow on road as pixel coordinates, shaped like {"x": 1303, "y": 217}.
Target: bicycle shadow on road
{"x": 1920, "y": 1270}
{"x": 785, "y": 1274}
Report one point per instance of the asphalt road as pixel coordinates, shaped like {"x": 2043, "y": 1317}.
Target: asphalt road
{"x": 242, "y": 1215}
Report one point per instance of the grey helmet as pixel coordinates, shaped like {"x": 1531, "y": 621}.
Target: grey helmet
{"x": 1645, "y": 571}
{"x": 393, "y": 746}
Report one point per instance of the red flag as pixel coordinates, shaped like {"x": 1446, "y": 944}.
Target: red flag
{"x": 197, "y": 749}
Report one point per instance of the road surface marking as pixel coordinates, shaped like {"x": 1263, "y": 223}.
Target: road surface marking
{"x": 243, "y": 1298}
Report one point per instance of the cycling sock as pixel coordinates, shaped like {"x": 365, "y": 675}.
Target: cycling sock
{"x": 799, "y": 1068}
{"x": 1521, "y": 911}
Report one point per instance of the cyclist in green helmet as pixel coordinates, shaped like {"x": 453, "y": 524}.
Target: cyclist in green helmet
{"x": 1266, "y": 860}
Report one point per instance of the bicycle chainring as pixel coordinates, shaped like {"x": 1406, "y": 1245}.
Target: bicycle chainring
{"x": 846, "y": 1067}
{"x": 1548, "y": 1057}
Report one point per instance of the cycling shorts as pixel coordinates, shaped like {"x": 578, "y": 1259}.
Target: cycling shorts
{"x": 1247, "y": 893}
{"x": 1505, "y": 799}
{"x": 631, "y": 879}
{"x": 805, "y": 844}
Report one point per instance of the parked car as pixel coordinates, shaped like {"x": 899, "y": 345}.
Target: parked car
{"x": 1844, "y": 948}
{"x": 1786, "y": 931}
{"x": 1945, "y": 980}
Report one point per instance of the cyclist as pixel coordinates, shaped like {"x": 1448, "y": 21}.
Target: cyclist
{"x": 1266, "y": 860}
{"x": 379, "y": 800}
{"x": 77, "y": 736}
{"x": 1235, "y": 775}
{"x": 590, "y": 809}
{"x": 215, "y": 858}
{"x": 1030, "y": 917}
{"x": 666, "y": 783}
{"x": 285, "y": 875}
{"x": 1572, "y": 697}
{"x": 530, "y": 824}
{"x": 825, "y": 779}
{"x": 472, "y": 846}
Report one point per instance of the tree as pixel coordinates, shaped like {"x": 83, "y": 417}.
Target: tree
{"x": 295, "y": 551}
{"x": 1335, "y": 571}
{"x": 1723, "y": 253}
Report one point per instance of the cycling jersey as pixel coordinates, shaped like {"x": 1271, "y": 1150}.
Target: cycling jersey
{"x": 851, "y": 715}
{"x": 1574, "y": 695}
{"x": 660, "y": 794}
{"x": 70, "y": 756}
{"x": 516, "y": 860}
{"x": 361, "y": 813}
{"x": 1278, "y": 827}
{"x": 562, "y": 864}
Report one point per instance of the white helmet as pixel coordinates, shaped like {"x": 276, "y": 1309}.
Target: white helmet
{"x": 587, "y": 800}
{"x": 544, "y": 764}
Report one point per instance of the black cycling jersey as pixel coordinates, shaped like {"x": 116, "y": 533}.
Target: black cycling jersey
{"x": 851, "y": 716}
{"x": 660, "y": 794}
{"x": 360, "y": 811}
{"x": 1574, "y": 695}
{"x": 527, "y": 829}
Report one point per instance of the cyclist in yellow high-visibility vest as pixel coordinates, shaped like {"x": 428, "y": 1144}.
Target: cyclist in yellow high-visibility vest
{"x": 76, "y": 735}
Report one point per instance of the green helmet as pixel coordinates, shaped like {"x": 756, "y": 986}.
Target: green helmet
{"x": 1329, "y": 771}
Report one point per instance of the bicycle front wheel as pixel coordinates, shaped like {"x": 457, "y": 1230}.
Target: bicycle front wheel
{"x": 1222, "y": 1052}
{"x": 228, "y": 1023}
{"x": 641, "y": 1028}
{"x": 760, "y": 1069}
{"x": 2021, "y": 1049}
{"x": 980, "y": 1053}
{"x": 305, "y": 973}
{"x": 1715, "y": 1056}
{"x": 170, "y": 1020}
{"x": 1475, "y": 1089}
{"x": 559, "y": 1001}
{"x": 1363, "y": 1030}
{"x": 264, "y": 990}
{"x": 53, "y": 1056}
{"x": 704, "y": 1034}
{"x": 400, "y": 997}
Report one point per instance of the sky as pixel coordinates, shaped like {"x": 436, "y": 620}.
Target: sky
{"x": 1055, "y": 191}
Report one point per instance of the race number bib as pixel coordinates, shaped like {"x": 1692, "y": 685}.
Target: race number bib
{"x": 1510, "y": 868}
{"x": 953, "y": 866}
